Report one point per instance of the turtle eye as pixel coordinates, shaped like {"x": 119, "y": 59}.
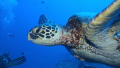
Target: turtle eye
{"x": 38, "y": 29}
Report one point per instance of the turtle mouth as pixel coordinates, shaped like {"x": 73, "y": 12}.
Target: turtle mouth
{"x": 32, "y": 36}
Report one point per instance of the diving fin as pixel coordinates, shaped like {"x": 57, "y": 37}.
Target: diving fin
{"x": 17, "y": 61}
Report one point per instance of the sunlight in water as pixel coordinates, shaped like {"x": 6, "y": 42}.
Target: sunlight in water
{"x": 6, "y": 11}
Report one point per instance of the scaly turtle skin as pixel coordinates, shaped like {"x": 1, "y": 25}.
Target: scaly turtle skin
{"x": 89, "y": 38}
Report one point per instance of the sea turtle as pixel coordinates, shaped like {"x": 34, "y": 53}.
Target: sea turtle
{"x": 88, "y": 38}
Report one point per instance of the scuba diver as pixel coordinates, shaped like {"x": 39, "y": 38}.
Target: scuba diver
{"x": 6, "y": 61}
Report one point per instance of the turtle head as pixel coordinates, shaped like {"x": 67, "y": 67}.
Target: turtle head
{"x": 46, "y": 33}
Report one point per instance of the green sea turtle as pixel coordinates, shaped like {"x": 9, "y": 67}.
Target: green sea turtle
{"x": 88, "y": 38}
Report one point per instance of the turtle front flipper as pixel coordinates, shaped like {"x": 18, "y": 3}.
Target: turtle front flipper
{"x": 44, "y": 20}
{"x": 97, "y": 28}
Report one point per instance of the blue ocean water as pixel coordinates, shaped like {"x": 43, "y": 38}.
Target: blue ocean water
{"x": 19, "y": 16}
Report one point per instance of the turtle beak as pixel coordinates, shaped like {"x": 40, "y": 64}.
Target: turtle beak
{"x": 29, "y": 37}
{"x": 32, "y": 34}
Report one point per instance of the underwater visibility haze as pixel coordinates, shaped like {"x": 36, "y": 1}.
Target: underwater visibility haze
{"x": 18, "y": 17}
